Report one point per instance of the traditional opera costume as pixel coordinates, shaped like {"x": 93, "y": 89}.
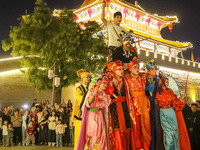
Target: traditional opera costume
{"x": 151, "y": 89}
{"x": 81, "y": 91}
{"x": 172, "y": 121}
{"x": 127, "y": 51}
{"x": 94, "y": 127}
{"x": 121, "y": 134}
{"x": 140, "y": 105}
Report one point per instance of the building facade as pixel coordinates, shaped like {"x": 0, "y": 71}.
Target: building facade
{"x": 146, "y": 28}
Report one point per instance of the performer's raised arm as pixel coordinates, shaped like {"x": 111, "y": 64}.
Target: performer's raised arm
{"x": 103, "y": 13}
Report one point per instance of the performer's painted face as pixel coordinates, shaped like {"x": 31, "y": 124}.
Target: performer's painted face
{"x": 135, "y": 69}
{"x": 152, "y": 71}
{"x": 119, "y": 71}
{"x": 166, "y": 83}
{"x": 103, "y": 86}
{"x": 86, "y": 79}
{"x": 118, "y": 20}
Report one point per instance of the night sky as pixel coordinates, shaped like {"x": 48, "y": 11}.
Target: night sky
{"x": 188, "y": 12}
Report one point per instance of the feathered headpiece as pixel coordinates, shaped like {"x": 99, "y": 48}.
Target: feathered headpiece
{"x": 151, "y": 64}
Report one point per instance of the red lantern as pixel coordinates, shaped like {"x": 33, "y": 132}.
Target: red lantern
{"x": 159, "y": 24}
{"x": 148, "y": 21}
{"x": 107, "y": 1}
{"x": 90, "y": 11}
{"x": 75, "y": 17}
{"x": 125, "y": 11}
{"x": 170, "y": 27}
{"x": 137, "y": 15}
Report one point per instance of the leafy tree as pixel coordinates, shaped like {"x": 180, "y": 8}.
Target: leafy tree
{"x": 43, "y": 39}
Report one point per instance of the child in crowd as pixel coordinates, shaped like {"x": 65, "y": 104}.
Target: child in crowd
{"x": 0, "y": 127}
{"x": 56, "y": 106}
{"x": 53, "y": 119}
{"x": 60, "y": 130}
{"x": 31, "y": 134}
{"x": 71, "y": 129}
{"x": 35, "y": 130}
{"x": 10, "y": 135}
{"x": 5, "y": 132}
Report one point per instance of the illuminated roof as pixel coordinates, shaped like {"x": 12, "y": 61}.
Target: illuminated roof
{"x": 173, "y": 43}
{"x": 87, "y": 2}
{"x": 166, "y": 20}
{"x": 171, "y": 19}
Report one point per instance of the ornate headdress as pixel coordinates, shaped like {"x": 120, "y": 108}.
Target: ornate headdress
{"x": 151, "y": 64}
{"x": 113, "y": 65}
{"x": 127, "y": 38}
{"x": 96, "y": 81}
{"x": 82, "y": 73}
{"x": 133, "y": 62}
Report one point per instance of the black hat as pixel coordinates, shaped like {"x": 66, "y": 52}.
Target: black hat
{"x": 194, "y": 104}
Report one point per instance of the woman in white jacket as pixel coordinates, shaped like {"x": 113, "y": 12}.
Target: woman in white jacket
{"x": 25, "y": 120}
{"x": 53, "y": 119}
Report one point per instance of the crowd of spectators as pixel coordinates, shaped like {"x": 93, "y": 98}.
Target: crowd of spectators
{"x": 191, "y": 115}
{"x": 41, "y": 124}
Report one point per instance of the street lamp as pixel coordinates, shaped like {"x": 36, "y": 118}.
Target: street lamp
{"x": 56, "y": 80}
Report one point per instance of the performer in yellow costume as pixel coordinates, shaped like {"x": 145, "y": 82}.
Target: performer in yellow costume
{"x": 81, "y": 91}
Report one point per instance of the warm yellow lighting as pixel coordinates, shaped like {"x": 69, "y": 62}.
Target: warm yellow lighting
{"x": 176, "y": 59}
{"x": 198, "y": 65}
{"x": 193, "y": 64}
{"x": 181, "y": 72}
{"x": 147, "y": 53}
{"x": 11, "y": 71}
{"x": 193, "y": 98}
{"x": 182, "y": 62}
{"x": 170, "y": 58}
{"x": 188, "y": 63}
{"x": 155, "y": 55}
{"x": 12, "y": 58}
{"x": 138, "y": 49}
{"x": 163, "y": 57}
{"x": 86, "y": 6}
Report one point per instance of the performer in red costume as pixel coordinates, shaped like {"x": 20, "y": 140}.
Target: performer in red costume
{"x": 172, "y": 121}
{"x": 140, "y": 105}
{"x": 121, "y": 133}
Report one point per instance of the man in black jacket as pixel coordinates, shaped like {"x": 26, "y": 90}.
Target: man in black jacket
{"x": 6, "y": 116}
{"x": 193, "y": 124}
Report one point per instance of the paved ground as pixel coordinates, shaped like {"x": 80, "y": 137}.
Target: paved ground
{"x": 35, "y": 148}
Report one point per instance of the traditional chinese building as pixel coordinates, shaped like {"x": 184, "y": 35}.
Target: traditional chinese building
{"x": 147, "y": 28}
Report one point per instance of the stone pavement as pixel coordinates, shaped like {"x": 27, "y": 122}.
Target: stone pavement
{"x": 35, "y": 148}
